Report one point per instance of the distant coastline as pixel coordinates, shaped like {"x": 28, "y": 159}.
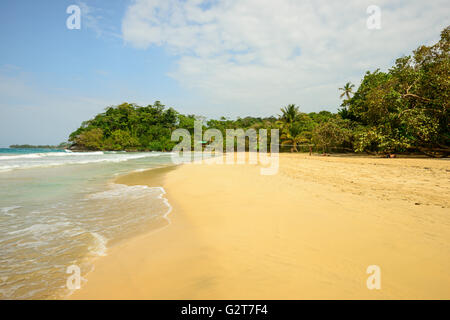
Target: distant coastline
{"x": 29, "y": 146}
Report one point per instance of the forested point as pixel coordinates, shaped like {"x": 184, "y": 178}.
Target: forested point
{"x": 403, "y": 110}
{"x": 63, "y": 145}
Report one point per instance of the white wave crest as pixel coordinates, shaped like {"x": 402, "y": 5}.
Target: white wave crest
{"x": 8, "y": 163}
{"x": 49, "y": 154}
{"x": 99, "y": 247}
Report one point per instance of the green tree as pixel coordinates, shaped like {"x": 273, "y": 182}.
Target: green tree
{"x": 90, "y": 139}
{"x": 289, "y": 114}
{"x": 332, "y": 133}
{"x": 347, "y": 90}
{"x": 294, "y": 135}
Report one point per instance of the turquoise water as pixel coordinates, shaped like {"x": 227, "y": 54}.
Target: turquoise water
{"x": 59, "y": 209}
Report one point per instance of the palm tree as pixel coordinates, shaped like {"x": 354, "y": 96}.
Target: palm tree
{"x": 289, "y": 114}
{"x": 347, "y": 90}
{"x": 294, "y": 135}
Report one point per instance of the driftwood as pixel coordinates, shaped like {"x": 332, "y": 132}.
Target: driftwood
{"x": 435, "y": 152}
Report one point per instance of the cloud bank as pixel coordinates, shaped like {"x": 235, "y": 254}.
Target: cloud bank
{"x": 253, "y": 56}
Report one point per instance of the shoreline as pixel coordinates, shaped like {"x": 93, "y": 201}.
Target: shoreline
{"x": 156, "y": 175}
{"x": 308, "y": 232}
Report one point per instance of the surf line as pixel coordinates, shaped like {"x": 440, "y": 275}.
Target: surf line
{"x": 166, "y": 202}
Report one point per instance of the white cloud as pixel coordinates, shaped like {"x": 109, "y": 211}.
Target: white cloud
{"x": 253, "y": 56}
{"x": 93, "y": 18}
{"x": 90, "y": 18}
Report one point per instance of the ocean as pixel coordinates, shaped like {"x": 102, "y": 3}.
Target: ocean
{"x": 60, "y": 208}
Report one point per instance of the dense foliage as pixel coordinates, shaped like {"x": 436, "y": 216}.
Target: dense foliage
{"x": 406, "y": 108}
{"x": 402, "y": 110}
{"x": 129, "y": 127}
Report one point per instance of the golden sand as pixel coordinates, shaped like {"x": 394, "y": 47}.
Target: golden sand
{"x": 308, "y": 232}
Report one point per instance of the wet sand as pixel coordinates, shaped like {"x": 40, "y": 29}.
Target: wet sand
{"x": 308, "y": 232}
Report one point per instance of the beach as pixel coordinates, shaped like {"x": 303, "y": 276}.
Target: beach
{"x": 308, "y": 232}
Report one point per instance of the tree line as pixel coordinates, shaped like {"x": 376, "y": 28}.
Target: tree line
{"x": 62, "y": 145}
{"x": 402, "y": 110}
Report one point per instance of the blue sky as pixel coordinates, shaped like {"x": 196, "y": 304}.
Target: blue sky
{"x": 53, "y": 78}
{"x": 231, "y": 58}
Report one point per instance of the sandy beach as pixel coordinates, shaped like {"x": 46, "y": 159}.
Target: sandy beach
{"x": 308, "y": 232}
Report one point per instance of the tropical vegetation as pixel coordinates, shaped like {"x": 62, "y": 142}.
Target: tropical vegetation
{"x": 405, "y": 109}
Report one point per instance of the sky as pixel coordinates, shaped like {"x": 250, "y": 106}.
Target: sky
{"x": 207, "y": 57}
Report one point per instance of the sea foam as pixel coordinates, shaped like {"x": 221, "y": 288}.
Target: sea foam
{"x": 52, "y": 159}
{"x": 51, "y": 221}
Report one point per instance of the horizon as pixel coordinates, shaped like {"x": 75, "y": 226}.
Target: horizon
{"x": 207, "y": 58}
